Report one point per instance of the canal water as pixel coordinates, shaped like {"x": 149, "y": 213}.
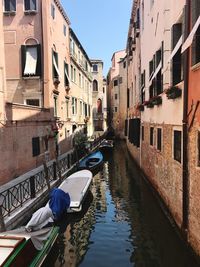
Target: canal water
{"x": 121, "y": 224}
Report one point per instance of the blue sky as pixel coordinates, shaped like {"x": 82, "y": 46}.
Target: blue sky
{"x": 100, "y": 25}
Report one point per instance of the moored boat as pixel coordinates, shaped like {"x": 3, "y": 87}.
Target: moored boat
{"x": 106, "y": 145}
{"x": 18, "y": 248}
{"x": 92, "y": 161}
{"x": 77, "y": 186}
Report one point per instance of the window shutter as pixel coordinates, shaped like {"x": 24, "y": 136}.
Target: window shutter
{"x": 23, "y": 58}
{"x": 27, "y": 4}
{"x": 176, "y": 33}
{"x": 12, "y": 6}
{"x": 126, "y": 127}
{"x": 6, "y": 5}
{"x": 39, "y": 61}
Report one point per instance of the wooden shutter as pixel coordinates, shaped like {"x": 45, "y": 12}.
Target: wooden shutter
{"x": 39, "y": 61}
{"x": 27, "y": 4}
{"x": 23, "y": 58}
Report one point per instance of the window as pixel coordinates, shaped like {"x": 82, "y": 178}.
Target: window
{"x": 80, "y": 80}
{"x": 99, "y": 106}
{"x": 81, "y": 107}
{"x": 195, "y": 8}
{"x": 176, "y": 60}
{"x": 115, "y": 109}
{"x": 95, "y": 86}
{"x": 177, "y": 145}
{"x": 115, "y": 96}
{"x": 64, "y": 30}
{"x": 35, "y": 146}
{"x": 33, "y": 102}
{"x": 128, "y": 98}
{"x": 124, "y": 64}
{"x": 53, "y": 11}
{"x": 115, "y": 82}
{"x": 31, "y": 60}
{"x": 56, "y": 73}
{"x": 67, "y": 107}
{"x": 30, "y": 5}
{"x": 74, "y": 106}
{"x": 134, "y": 132}
{"x": 55, "y": 99}
{"x": 151, "y": 68}
{"x": 151, "y": 135}
{"x": 126, "y": 128}
{"x": 159, "y": 138}
{"x": 66, "y": 74}
{"x": 142, "y": 133}
{"x": 10, "y": 6}
{"x": 86, "y": 110}
{"x": 95, "y": 67}
{"x": 198, "y": 149}
{"x": 72, "y": 73}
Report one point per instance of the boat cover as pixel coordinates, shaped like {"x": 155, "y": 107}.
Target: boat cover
{"x": 59, "y": 202}
{"x": 39, "y": 219}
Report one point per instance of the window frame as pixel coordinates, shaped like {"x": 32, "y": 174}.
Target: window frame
{"x": 9, "y": 11}
{"x": 30, "y": 11}
{"x": 177, "y": 157}
{"x": 151, "y": 136}
{"x": 35, "y": 146}
{"x": 159, "y": 139}
{"x": 38, "y": 71}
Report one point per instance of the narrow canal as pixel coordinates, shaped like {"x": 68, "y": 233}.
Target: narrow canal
{"x": 121, "y": 224}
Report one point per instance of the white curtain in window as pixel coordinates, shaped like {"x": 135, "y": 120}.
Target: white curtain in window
{"x": 32, "y": 4}
{"x": 56, "y": 66}
{"x": 189, "y": 40}
{"x": 31, "y": 61}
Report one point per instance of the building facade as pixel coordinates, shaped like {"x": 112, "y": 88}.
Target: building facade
{"x": 41, "y": 97}
{"x": 99, "y": 97}
{"x": 162, "y": 124}
{"x": 115, "y": 87}
{"x": 81, "y": 87}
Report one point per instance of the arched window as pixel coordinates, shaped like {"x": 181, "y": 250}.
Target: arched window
{"x": 95, "y": 86}
{"x": 31, "y": 58}
{"x": 99, "y": 106}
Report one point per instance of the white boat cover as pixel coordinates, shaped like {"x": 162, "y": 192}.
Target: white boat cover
{"x": 39, "y": 219}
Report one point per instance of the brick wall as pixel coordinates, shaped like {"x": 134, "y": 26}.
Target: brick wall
{"x": 194, "y": 182}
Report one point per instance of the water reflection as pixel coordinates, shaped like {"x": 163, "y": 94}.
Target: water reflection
{"x": 121, "y": 224}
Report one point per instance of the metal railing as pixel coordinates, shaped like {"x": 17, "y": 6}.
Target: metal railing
{"x": 17, "y": 193}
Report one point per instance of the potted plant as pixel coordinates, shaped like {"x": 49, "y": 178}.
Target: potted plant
{"x": 173, "y": 92}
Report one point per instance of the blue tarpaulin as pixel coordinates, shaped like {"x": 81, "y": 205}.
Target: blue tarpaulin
{"x": 59, "y": 202}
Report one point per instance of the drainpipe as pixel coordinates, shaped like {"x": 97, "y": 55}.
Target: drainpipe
{"x": 185, "y": 180}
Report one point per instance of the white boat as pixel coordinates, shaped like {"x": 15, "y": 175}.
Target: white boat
{"x": 77, "y": 186}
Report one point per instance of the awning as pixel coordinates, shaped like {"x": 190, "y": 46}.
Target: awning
{"x": 31, "y": 61}
{"x": 173, "y": 53}
{"x": 56, "y": 66}
{"x": 189, "y": 40}
{"x": 156, "y": 72}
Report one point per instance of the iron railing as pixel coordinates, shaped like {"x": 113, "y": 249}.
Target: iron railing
{"x": 24, "y": 189}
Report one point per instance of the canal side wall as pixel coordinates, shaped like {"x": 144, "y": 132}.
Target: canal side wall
{"x": 164, "y": 173}
{"x": 194, "y": 199}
